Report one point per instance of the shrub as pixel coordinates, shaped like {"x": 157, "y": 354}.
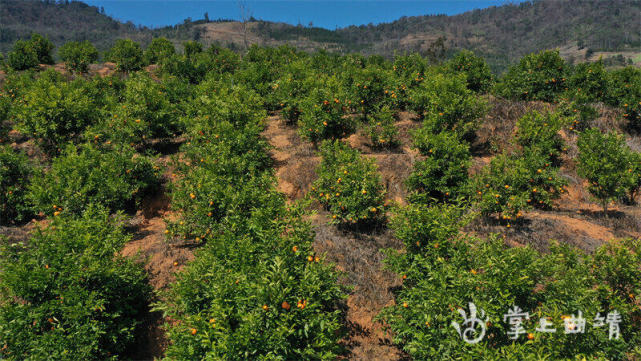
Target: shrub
{"x": 191, "y": 48}
{"x": 578, "y": 111}
{"x": 23, "y": 56}
{"x": 478, "y": 74}
{"x": 590, "y": 79}
{"x": 43, "y": 47}
{"x": 539, "y": 76}
{"x": 624, "y": 90}
{"x": 447, "y": 104}
{"x": 15, "y": 172}
{"x": 366, "y": 88}
{"x": 349, "y": 186}
{"x": 68, "y": 294}
{"x": 323, "y": 113}
{"x": 513, "y": 183}
{"x": 78, "y": 55}
{"x": 143, "y": 113}
{"x": 83, "y": 175}
{"x": 442, "y": 175}
{"x": 158, "y": 50}
{"x": 539, "y": 133}
{"x": 381, "y": 129}
{"x": 127, "y": 55}
{"x": 605, "y": 162}
{"x": 55, "y": 111}
{"x": 260, "y": 291}
{"x": 443, "y": 272}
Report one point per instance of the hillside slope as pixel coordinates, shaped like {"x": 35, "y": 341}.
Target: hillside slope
{"x": 582, "y": 29}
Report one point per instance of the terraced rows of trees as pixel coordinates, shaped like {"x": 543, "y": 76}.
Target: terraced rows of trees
{"x": 257, "y": 290}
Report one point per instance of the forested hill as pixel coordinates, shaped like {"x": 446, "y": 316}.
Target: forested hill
{"x": 505, "y": 33}
{"x": 61, "y": 22}
{"x": 582, "y": 29}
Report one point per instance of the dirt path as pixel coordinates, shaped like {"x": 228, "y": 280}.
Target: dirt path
{"x": 357, "y": 255}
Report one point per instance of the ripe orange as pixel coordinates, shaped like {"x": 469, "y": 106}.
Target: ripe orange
{"x": 310, "y": 258}
{"x": 194, "y": 331}
{"x": 285, "y": 305}
{"x": 530, "y": 336}
{"x": 265, "y": 307}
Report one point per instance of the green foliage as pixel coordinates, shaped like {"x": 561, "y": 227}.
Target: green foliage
{"x": 67, "y": 294}
{"x": 513, "y": 183}
{"x": 323, "y": 112}
{"x": 78, "y": 55}
{"x": 144, "y": 112}
{"x": 604, "y": 161}
{"x": 191, "y": 48}
{"x": 447, "y": 104}
{"x": 84, "y": 175}
{"x": 23, "y": 56}
{"x": 27, "y": 54}
{"x": 256, "y": 289}
{"x": 349, "y": 186}
{"x": 381, "y": 129}
{"x": 54, "y": 111}
{"x": 578, "y": 111}
{"x": 127, "y": 55}
{"x": 635, "y": 187}
{"x": 538, "y": 76}
{"x": 158, "y": 50}
{"x": 624, "y": 88}
{"x": 366, "y": 88}
{"x": 478, "y": 74}
{"x": 590, "y": 79}
{"x": 15, "y": 172}
{"x": 539, "y": 133}
{"x": 442, "y": 174}
{"x": 42, "y": 47}
{"x": 443, "y": 272}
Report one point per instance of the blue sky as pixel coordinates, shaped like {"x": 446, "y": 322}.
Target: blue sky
{"x": 328, "y": 14}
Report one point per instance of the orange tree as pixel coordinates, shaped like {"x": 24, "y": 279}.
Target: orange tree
{"x": 539, "y": 133}
{"x": 349, "y": 186}
{"x": 323, "y": 112}
{"x": 624, "y": 90}
{"x": 442, "y": 174}
{"x": 604, "y": 160}
{"x": 446, "y": 103}
{"x": 589, "y": 79}
{"x": 127, "y": 55}
{"x": 68, "y": 294}
{"x": 159, "y": 49}
{"x": 15, "y": 174}
{"x": 513, "y": 183}
{"x": 54, "y": 111}
{"x": 381, "y": 129}
{"x": 537, "y": 76}
{"x": 141, "y": 112}
{"x": 408, "y": 72}
{"x": 256, "y": 288}
{"x": 443, "y": 271}
{"x": 366, "y": 87}
{"x": 85, "y": 174}
{"x": 478, "y": 74}
{"x": 28, "y": 54}
{"x": 78, "y": 55}
{"x": 293, "y": 86}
